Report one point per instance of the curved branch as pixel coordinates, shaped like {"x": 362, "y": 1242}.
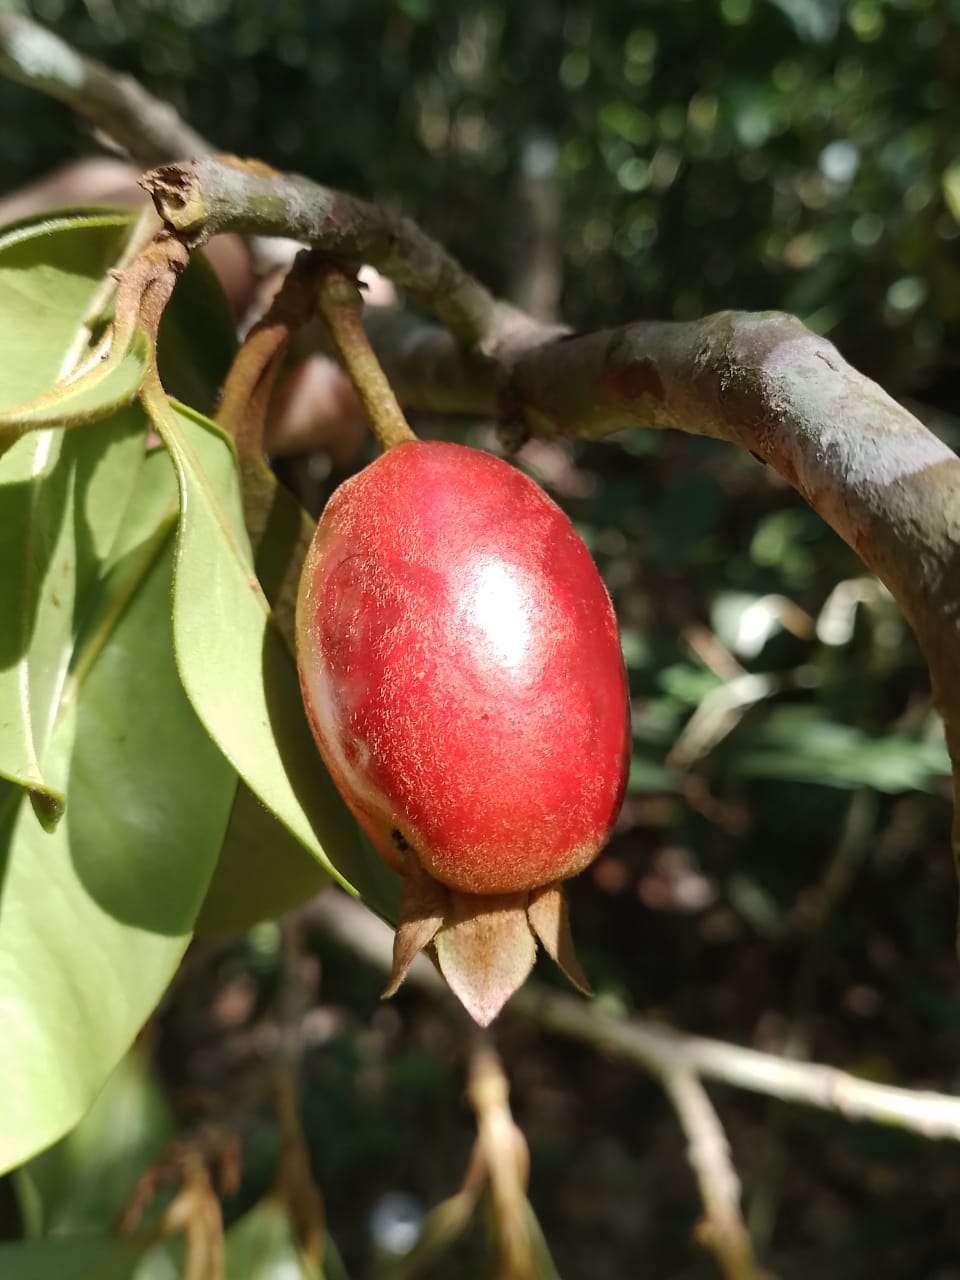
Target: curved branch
{"x": 722, "y": 1231}
{"x": 761, "y": 381}
{"x": 886, "y": 484}
{"x": 148, "y": 129}
{"x": 657, "y": 1048}
{"x": 212, "y": 194}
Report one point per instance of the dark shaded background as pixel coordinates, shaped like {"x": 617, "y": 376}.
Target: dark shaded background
{"x": 791, "y": 887}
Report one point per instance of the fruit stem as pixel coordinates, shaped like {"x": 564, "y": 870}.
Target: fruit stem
{"x": 249, "y": 383}
{"x": 144, "y": 288}
{"x": 341, "y": 304}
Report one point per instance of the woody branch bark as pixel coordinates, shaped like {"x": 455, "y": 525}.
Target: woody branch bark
{"x": 204, "y": 197}
{"x": 146, "y": 127}
{"x": 660, "y": 1049}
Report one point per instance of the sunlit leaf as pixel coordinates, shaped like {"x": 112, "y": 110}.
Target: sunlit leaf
{"x": 262, "y": 1246}
{"x": 796, "y": 745}
{"x": 813, "y": 20}
{"x": 103, "y": 385}
{"x": 83, "y": 1182}
{"x": 238, "y": 672}
{"x": 51, "y": 273}
{"x": 62, "y": 496}
{"x": 94, "y": 916}
{"x": 240, "y": 893}
{"x": 280, "y": 532}
{"x": 61, "y": 500}
{"x": 950, "y": 183}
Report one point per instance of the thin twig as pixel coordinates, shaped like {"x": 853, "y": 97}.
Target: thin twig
{"x": 660, "y": 1049}
{"x": 722, "y": 1231}
{"x": 499, "y": 1161}
{"x": 212, "y": 194}
{"x": 506, "y": 1158}
{"x": 339, "y": 300}
{"x": 149, "y": 129}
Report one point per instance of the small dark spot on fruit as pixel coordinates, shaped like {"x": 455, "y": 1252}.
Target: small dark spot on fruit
{"x": 400, "y": 840}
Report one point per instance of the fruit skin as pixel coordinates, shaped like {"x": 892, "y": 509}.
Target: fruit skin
{"x": 462, "y": 673}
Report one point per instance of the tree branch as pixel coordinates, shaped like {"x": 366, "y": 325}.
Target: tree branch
{"x": 764, "y": 382}
{"x": 723, "y": 1231}
{"x": 150, "y": 130}
{"x": 213, "y": 194}
{"x": 659, "y": 1049}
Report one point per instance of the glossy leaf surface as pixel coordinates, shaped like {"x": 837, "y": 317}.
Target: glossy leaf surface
{"x": 51, "y": 273}
{"x": 237, "y": 670}
{"x": 95, "y": 916}
{"x": 103, "y": 386}
{"x": 262, "y": 871}
{"x": 62, "y": 496}
{"x": 83, "y": 1183}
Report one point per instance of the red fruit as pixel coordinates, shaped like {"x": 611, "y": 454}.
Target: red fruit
{"x": 462, "y": 673}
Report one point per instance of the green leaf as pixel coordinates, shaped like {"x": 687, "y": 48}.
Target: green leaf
{"x": 82, "y": 1184}
{"x": 263, "y": 1246}
{"x": 240, "y": 894}
{"x": 950, "y": 185}
{"x": 262, "y": 872}
{"x": 795, "y": 744}
{"x": 71, "y": 1259}
{"x": 281, "y": 532}
{"x": 51, "y": 273}
{"x": 55, "y": 269}
{"x": 651, "y": 777}
{"x": 237, "y": 670}
{"x": 57, "y": 517}
{"x": 62, "y": 496}
{"x": 95, "y": 916}
{"x": 101, "y": 387}
{"x": 81, "y": 213}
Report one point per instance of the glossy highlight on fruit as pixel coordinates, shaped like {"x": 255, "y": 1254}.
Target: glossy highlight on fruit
{"x": 462, "y": 674}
